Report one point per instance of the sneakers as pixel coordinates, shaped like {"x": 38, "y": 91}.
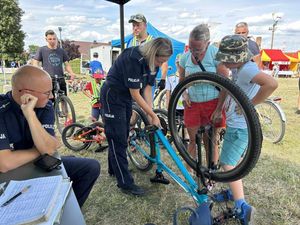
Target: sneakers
{"x": 245, "y": 214}
{"x": 298, "y": 111}
{"x": 133, "y": 190}
{"x": 223, "y": 196}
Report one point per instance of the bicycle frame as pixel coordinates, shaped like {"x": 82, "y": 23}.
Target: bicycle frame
{"x": 190, "y": 185}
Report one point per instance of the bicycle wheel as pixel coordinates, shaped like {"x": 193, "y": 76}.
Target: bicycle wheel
{"x": 76, "y": 141}
{"x": 272, "y": 120}
{"x": 139, "y": 141}
{"x": 64, "y": 112}
{"x": 162, "y": 101}
{"x": 206, "y": 88}
{"x": 163, "y": 116}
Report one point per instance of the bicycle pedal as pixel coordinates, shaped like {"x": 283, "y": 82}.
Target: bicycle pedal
{"x": 159, "y": 178}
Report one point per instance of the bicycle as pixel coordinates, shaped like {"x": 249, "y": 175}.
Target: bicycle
{"x": 144, "y": 147}
{"x": 272, "y": 119}
{"x": 163, "y": 116}
{"x": 78, "y": 137}
{"x": 64, "y": 111}
{"x": 160, "y": 98}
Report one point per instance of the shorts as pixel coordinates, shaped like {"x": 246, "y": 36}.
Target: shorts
{"x": 96, "y": 113}
{"x": 234, "y": 145}
{"x": 199, "y": 114}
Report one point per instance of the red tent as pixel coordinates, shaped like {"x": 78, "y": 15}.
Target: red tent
{"x": 275, "y": 56}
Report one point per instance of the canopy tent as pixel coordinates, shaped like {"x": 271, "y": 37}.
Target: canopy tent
{"x": 275, "y": 56}
{"x": 178, "y": 47}
{"x": 294, "y": 59}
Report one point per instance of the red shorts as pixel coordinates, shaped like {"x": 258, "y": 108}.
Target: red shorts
{"x": 199, "y": 114}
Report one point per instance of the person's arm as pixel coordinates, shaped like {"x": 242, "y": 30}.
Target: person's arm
{"x": 146, "y": 104}
{"x": 181, "y": 73}
{"x": 267, "y": 86}
{"x": 43, "y": 141}
{"x": 35, "y": 63}
{"x": 68, "y": 68}
{"x": 164, "y": 73}
{"x": 10, "y": 160}
{"x": 222, "y": 70}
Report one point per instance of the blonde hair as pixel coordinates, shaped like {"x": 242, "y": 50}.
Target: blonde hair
{"x": 156, "y": 48}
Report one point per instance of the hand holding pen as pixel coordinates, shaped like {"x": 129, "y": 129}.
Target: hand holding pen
{"x": 15, "y": 196}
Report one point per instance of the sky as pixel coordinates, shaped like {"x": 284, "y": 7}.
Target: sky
{"x": 89, "y": 20}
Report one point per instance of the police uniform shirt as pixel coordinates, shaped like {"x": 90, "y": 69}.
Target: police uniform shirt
{"x": 14, "y": 130}
{"x": 130, "y": 70}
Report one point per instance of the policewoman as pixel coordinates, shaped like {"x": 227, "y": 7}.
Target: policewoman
{"x": 134, "y": 70}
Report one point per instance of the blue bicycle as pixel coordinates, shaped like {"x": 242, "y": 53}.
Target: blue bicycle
{"x": 145, "y": 141}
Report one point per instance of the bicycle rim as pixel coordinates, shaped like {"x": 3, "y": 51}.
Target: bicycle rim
{"x": 64, "y": 112}
{"x": 138, "y": 140}
{"x": 162, "y": 102}
{"x": 205, "y": 87}
{"x": 73, "y": 137}
{"x": 272, "y": 122}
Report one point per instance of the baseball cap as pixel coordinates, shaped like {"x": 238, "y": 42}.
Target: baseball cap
{"x": 137, "y": 18}
{"x": 98, "y": 75}
{"x": 234, "y": 49}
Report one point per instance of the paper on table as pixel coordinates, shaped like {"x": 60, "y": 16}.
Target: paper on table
{"x": 35, "y": 204}
{"x": 62, "y": 196}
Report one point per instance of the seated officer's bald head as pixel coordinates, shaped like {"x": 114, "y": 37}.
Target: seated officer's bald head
{"x": 29, "y": 75}
{"x": 32, "y": 80}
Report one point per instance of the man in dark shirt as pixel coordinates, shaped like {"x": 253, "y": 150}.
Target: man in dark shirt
{"x": 27, "y": 129}
{"x": 53, "y": 58}
{"x": 242, "y": 29}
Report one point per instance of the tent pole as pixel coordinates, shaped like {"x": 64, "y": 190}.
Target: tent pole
{"x": 122, "y": 25}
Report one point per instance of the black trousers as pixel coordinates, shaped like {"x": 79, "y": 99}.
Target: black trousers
{"x": 117, "y": 109}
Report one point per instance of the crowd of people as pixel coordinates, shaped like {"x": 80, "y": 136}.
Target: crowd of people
{"x": 27, "y": 117}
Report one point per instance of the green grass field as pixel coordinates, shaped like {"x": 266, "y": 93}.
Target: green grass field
{"x": 272, "y": 187}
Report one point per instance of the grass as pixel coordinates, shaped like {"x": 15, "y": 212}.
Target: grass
{"x": 272, "y": 187}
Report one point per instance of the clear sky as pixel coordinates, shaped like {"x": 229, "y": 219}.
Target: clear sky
{"x": 89, "y": 20}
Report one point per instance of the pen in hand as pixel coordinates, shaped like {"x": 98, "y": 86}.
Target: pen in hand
{"x": 15, "y": 196}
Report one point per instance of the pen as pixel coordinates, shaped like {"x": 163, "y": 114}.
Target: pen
{"x": 15, "y": 196}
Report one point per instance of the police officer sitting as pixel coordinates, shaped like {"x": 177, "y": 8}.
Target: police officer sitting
{"x": 27, "y": 129}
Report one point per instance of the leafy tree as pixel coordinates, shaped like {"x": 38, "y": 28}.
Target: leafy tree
{"x": 33, "y": 49}
{"x": 71, "y": 49}
{"x": 11, "y": 35}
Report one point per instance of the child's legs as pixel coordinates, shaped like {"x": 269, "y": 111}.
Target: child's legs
{"x": 95, "y": 114}
{"x": 235, "y": 186}
{"x": 234, "y": 145}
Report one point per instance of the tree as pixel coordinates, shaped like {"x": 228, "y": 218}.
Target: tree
{"x": 11, "y": 35}
{"x": 71, "y": 49}
{"x": 33, "y": 49}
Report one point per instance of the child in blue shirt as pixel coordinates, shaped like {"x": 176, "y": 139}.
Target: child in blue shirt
{"x": 235, "y": 54}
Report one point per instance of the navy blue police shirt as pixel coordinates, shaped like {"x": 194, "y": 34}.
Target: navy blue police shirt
{"x": 130, "y": 70}
{"x": 14, "y": 130}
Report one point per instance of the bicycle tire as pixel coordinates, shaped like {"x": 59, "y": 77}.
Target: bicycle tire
{"x": 250, "y": 157}
{"x": 273, "y": 129}
{"x": 163, "y": 115}
{"x": 162, "y": 100}
{"x": 76, "y": 129}
{"x": 61, "y": 119}
{"x": 138, "y": 136}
